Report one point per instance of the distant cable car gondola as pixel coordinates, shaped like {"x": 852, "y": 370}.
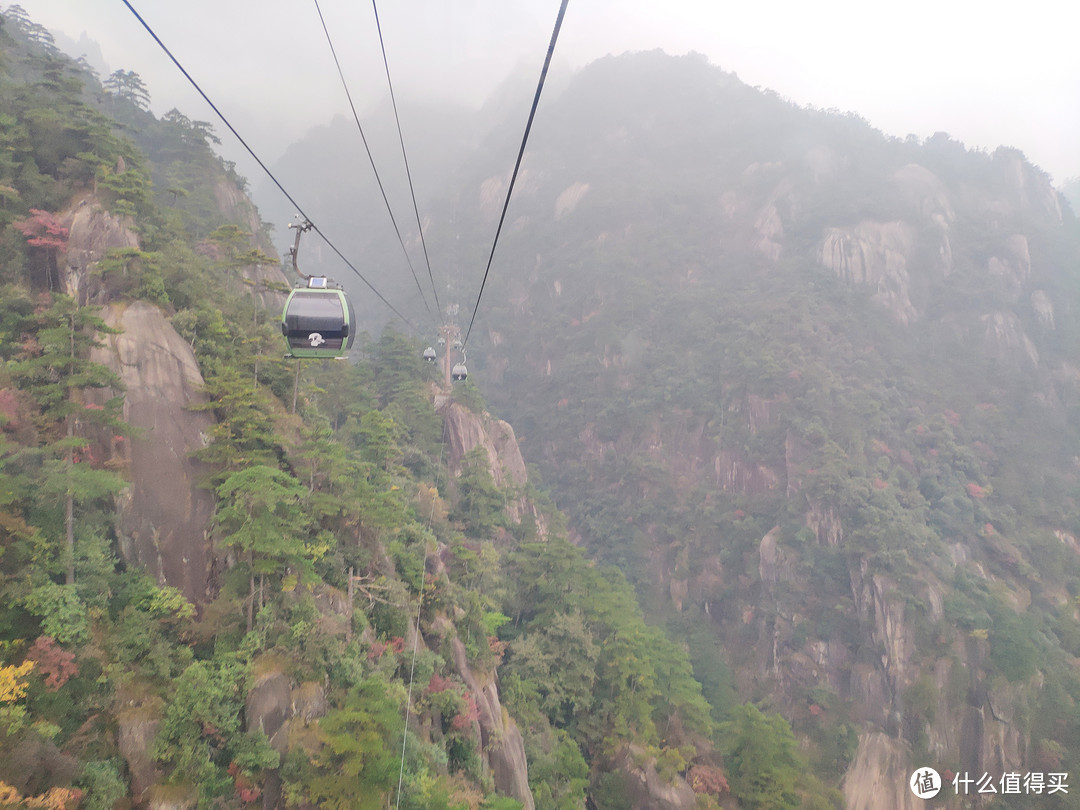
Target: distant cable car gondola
{"x": 318, "y": 322}
{"x": 459, "y": 372}
{"x": 429, "y": 354}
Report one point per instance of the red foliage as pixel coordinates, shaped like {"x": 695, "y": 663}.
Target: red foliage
{"x": 397, "y": 645}
{"x": 975, "y": 491}
{"x": 707, "y": 779}
{"x": 815, "y": 710}
{"x": 988, "y": 529}
{"x": 53, "y": 661}
{"x": 246, "y": 790}
{"x": 498, "y": 648}
{"x": 43, "y": 229}
{"x": 879, "y": 484}
{"x": 466, "y": 719}
{"x": 439, "y": 684}
{"x": 952, "y": 417}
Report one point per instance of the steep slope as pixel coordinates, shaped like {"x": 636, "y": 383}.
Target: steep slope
{"x": 223, "y": 575}
{"x": 815, "y": 386}
{"x": 811, "y": 388}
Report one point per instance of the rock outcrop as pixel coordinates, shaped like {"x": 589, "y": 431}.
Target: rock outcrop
{"x": 874, "y": 255}
{"x": 647, "y": 789}
{"x": 500, "y": 737}
{"x": 501, "y": 740}
{"x": 137, "y": 725}
{"x": 465, "y": 430}
{"x": 879, "y": 775}
{"x": 92, "y": 233}
{"x": 164, "y": 517}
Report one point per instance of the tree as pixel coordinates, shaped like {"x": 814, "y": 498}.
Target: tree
{"x": 54, "y": 368}
{"x": 357, "y": 766}
{"x": 201, "y": 725}
{"x": 45, "y": 232}
{"x": 762, "y": 759}
{"x": 561, "y": 659}
{"x": 242, "y": 435}
{"x": 127, "y": 84}
{"x": 480, "y": 503}
{"x": 263, "y": 518}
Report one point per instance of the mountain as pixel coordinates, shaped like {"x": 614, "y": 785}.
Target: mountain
{"x": 231, "y": 579}
{"x": 813, "y": 389}
{"x": 804, "y": 394}
{"x": 1071, "y": 192}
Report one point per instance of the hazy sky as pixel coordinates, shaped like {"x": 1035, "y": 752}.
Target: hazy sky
{"x": 986, "y": 72}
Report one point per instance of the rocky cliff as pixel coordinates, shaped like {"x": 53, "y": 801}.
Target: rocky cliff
{"x": 465, "y": 430}
{"x": 164, "y": 515}
{"x": 814, "y": 388}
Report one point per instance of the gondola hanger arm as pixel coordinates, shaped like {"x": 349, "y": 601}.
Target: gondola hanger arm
{"x": 301, "y": 227}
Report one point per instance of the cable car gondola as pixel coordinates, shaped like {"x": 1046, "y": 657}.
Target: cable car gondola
{"x": 318, "y": 322}
{"x": 429, "y": 354}
{"x": 459, "y": 372}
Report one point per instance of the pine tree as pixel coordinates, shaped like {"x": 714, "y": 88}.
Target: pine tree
{"x": 263, "y": 518}
{"x": 55, "y": 369}
{"x": 127, "y": 84}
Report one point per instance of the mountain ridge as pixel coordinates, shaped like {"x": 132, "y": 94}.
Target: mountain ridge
{"x": 810, "y": 388}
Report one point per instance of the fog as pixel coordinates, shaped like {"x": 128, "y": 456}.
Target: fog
{"x": 987, "y": 74}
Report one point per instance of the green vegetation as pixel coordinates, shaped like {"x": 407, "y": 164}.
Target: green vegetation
{"x": 347, "y": 497}
{"x": 689, "y": 374}
{"x": 769, "y": 477}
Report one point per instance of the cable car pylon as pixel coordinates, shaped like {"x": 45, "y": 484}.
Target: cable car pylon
{"x": 450, "y": 336}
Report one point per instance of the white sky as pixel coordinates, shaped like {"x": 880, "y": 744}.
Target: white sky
{"x": 986, "y": 72}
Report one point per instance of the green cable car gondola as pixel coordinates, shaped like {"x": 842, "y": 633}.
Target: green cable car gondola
{"x": 317, "y": 322}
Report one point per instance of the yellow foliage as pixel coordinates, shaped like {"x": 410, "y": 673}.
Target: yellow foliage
{"x": 11, "y": 687}
{"x": 55, "y": 799}
{"x": 980, "y": 633}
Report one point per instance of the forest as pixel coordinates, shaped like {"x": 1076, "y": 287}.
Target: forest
{"x": 801, "y": 424}
{"x": 345, "y": 493}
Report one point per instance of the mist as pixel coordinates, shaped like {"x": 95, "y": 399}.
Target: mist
{"x": 988, "y": 76}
